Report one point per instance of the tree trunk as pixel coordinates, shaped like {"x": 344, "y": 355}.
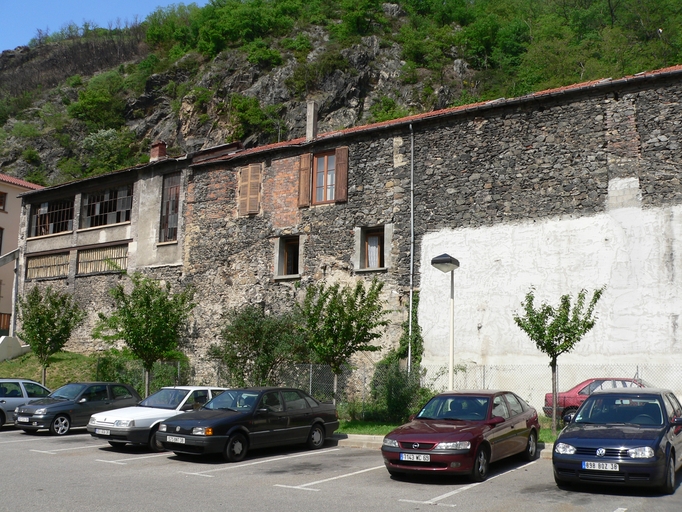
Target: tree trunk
{"x": 146, "y": 382}
{"x": 336, "y": 381}
{"x": 44, "y": 375}
{"x": 554, "y": 396}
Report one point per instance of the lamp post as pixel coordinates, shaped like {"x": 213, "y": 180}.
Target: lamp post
{"x": 446, "y": 263}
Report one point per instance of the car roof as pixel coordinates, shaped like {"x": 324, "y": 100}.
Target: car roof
{"x": 480, "y": 392}
{"x": 632, "y": 391}
{"x": 201, "y": 388}
{"x": 10, "y": 379}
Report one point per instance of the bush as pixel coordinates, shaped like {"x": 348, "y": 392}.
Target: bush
{"x": 31, "y": 156}
{"x": 25, "y": 130}
{"x": 101, "y": 104}
{"x": 396, "y": 394}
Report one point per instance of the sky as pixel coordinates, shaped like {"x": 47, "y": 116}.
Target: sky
{"x": 20, "y": 19}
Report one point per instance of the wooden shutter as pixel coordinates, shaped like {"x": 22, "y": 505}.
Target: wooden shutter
{"x": 304, "y": 180}
{"x": 253, "y": 202}
{"x": 249, "y": 189}
{"x": 341, "y": 187}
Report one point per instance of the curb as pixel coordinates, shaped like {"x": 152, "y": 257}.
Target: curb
{"x": 374, "y": 443}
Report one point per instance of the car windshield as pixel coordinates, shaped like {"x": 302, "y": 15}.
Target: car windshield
{"x": 234, "y": 400}
{"x": 68, "y": 391}
{"x": 165, "y": 398}
{"x": 444, "y": 407}
{"x": 643, "y": 410}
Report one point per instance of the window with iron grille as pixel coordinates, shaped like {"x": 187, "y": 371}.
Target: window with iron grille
{"x": 170, "y": 207}
{"x": 52, "y": 217}
{"x": 103, "y": 259}
{"x": 107, "y": 207}
{"x": 51, "y": 265}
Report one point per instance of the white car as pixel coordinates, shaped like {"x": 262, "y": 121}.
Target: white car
{"x": 138, "y": 424}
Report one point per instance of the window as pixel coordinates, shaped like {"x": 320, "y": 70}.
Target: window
{"x": 53, "y": 265}
{"x": 52, "y": 217}
{"x": 514, "y": 404}
{"x": 249, "y": 189}
{"x": 170, "y": 207}
{"x": 107, "y": 207}
{"x": 35, "y": 390}
{"x": 120, "y": 392}
{"x": 500, "y": 408}
{"x": 287, "y": 256}
{"x": 3, "y": 201}
{"x": 372, "y": 248}
{"x": 2, "y": 231}
{"x": 103, "y": 259}
{"x": 326, "y": 180}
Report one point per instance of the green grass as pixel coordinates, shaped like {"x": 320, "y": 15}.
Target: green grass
{"x": 64, "y": 367}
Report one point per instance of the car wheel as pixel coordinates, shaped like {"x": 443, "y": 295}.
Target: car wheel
{"x": 531, "y": 452}
{"x": 60, "y": 425}
{"x": 481, "y": 464}
{"x": 116, "y": 446}
{"x": 397, "y": 475}
{"x": 154, "y": 444}
{"x": 2, "y": 419}
{"x": 668, "y": 486}
{"x": 316, "y": 437}
{"x": 236, "y": 447}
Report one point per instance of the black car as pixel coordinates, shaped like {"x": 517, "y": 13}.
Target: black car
{"x": 72, "y": 405}
{"x": 630, "y": 437}
{"x": 241, "y": 419}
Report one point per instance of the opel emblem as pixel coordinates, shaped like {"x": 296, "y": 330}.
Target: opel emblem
{"x": 601, "y": 452}
{"x": 177, "y": 429}
{"x": 415, "y": 445}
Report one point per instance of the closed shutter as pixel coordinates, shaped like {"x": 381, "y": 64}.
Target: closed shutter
{"x": 254, "y": 188}
{"x": 304, "y": 180}
{"x": 341, "y": 189}
{"x": 243, "y": 190}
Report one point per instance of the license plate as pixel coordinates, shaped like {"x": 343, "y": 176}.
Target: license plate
{"x": 173, "y": 439}
{"x": 416, "y": 457}
{"x": 102, "y": 432}
{"x": 22, "y": 419}
{"x": 600, "y": 466}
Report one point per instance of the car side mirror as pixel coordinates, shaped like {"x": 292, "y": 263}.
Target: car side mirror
{"x": 187, "y": 407}
{"x": 495, "y": 420}
{"x": 262, "y": 410}
{"x": 677, "y": 420}
{"x": 82, "y": 400}
{"x": 569, "y": 417}
{"x": 412, "y": 416}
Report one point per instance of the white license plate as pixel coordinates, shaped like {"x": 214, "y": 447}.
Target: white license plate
{"x": 600, "y": 466}
{"x": 173, "y": 439}
{"x": 102, "y": 431}
{"x": 22, "y": 419}
{"x": 415, "y": 457}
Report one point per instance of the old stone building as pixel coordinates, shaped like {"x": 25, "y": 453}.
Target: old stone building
{"x": 560, "y": 190}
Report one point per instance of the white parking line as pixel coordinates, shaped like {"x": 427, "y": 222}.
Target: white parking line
{"x": 434, "y": 501}
{"x": 124, "y": 462}
{"x": 54, "y": 452}
{"x": 620, "y": 510}
{"x": 304, "y": 487}
{"x": 236, "y": 466}
{"x": 21, "y": 441}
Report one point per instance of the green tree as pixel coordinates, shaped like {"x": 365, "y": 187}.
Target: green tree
{"x": 255, "y": 346}
{"x": 47, "y": 320}
{"x": 557, "y": 330}
{"x": 338, "y": 322}
{"x": 149, "y": 320}
{"x": 101, "y": 104}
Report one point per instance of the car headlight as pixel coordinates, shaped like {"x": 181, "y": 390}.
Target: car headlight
{"x": 457, "y": 445}
{"x": 92, "y": 420}
{"x": 202, "y": 431}
{"x": 162, "y": 427}
{"x": 124, "y": 423}
{"x": 390, "y": 442}
{"x": 643, "y": 452}
{"x": 564, "y": 449}
{"x": 16, "y": 409}
{"x": 39, "y": 412}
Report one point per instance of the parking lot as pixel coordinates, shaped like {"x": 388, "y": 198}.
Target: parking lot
{"x": 78, "y": 472}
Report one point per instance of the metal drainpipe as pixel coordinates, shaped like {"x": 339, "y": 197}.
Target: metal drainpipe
{"x": 409, "y": 322}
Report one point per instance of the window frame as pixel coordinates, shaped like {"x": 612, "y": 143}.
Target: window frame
{"x": 170, "y": 207}
{"x": 284, "y": 248}
{"x": 106, "y": 207}
{"x": 51, "y": 217}
{"x": 3, "y": 201}
{"x": 326, "y": 189}
{"x": 360, "y": 259}
{"x": 307, "y": 177}
{"x": 60, "y": 265}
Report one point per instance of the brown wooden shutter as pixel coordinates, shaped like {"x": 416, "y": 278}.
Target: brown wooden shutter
{"x": 243, "y": 191}
{"x": 304, "y": 180}
{"x": 341, "y": 188}
{"x": 253, "y": 201}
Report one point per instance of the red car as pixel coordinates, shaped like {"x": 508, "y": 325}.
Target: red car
{"x": 569, "y": 401}
{"x": 463, "y": 432}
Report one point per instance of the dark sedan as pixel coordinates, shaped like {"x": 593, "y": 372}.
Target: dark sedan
{"x": 72, "y": 405}
{"x": 242, "y": 419}
{"x": 463, "y": 432}
{"x": 627, "y": 437}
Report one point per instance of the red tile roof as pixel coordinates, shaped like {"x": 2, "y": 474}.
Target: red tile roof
{"x": 19, "y": 183}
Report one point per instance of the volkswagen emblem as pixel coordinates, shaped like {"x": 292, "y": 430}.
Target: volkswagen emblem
{"x": 177, "y": 429}
{"x": 601, "y": 452}
{"x": 415, "y": 446}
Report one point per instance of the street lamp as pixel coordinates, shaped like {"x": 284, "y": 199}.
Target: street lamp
{"x": 446, "y": 263}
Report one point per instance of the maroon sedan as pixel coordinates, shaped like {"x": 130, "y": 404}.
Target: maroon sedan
{"x": 463, "y": 432}
{"x": 569, "y": 401}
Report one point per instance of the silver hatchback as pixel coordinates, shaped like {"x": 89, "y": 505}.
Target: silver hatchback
{"x": 15, "y": 392}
